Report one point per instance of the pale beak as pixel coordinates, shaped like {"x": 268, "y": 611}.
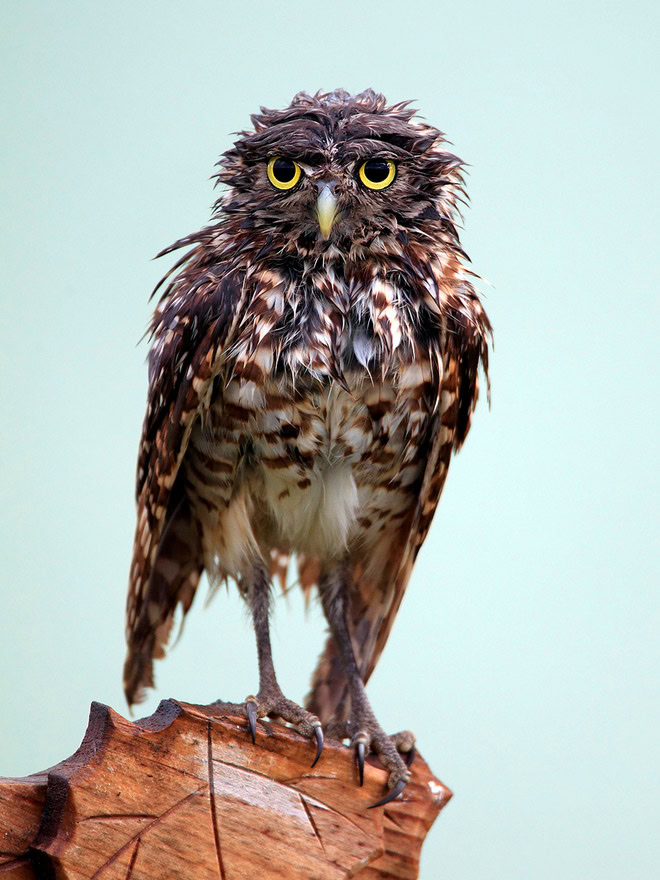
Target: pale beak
{"x": 326, "y": 209}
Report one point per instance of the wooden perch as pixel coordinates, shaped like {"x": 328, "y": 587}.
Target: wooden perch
{"x": 185, "y": 793}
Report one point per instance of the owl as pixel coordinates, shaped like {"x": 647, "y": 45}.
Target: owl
{"x": 314, "y": 363}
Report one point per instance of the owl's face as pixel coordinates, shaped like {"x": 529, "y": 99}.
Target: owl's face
{"x": 335, "y": 175}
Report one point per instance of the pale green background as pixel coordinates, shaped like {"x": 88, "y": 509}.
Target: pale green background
{"x": 525, "y": 655}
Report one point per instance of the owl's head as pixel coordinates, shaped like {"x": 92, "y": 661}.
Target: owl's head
{"x": 337, "y": 175}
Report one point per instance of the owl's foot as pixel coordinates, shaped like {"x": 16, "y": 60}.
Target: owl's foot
{"x": 272, "y": 702}
{"x": 366, "y": 733}
{"x": 396, "y": 753}
{"x": 370, "y": 737}
{"x": 404, "y": 742}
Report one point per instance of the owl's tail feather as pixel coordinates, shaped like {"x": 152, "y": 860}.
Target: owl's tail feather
{"x": 174, "y": 577}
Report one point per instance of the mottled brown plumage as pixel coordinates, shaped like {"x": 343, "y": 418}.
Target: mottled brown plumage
{"x": 306, "y": 391}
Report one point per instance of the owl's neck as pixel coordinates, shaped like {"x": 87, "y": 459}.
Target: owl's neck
{"x": 332, "y": 320}
{"x": 248, "y": 240}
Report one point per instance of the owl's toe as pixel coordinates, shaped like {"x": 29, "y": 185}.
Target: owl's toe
{"x": 271, "y": 702}
{"x": 404, "y": 741}
{"x": 371, "y": 738}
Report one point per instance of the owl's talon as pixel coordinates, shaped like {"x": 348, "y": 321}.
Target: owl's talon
{"x": 318, "y": 733}
{"x": 396, "y": 791}
{"x": 410, "y": 757}
{"x": 360, "y": 741}
{"x": 251, "y": 711}
{"x": 360, "y": 760}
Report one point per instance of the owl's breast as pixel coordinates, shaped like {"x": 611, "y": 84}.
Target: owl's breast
{"x": 318, "y": 423}
{"x": 314, "y": 457}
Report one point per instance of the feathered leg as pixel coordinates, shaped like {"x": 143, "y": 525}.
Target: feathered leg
{"x": 363, "y": 728}
{"x": 255, "y": 589}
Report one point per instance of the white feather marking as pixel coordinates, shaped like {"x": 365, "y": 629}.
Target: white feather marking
{"x": 318, "y": 518}
{"x": 246, "y": 394}
{"x": 363, "y": 349}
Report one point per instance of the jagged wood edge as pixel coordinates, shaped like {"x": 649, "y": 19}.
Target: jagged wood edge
{"x": 56, "y": 780}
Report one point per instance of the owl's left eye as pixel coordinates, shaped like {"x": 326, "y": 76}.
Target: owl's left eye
{"x": 377, "y": 173}
{"x": 283, "y": 173}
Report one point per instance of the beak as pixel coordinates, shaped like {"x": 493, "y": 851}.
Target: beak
{"x": 326, "y": 210}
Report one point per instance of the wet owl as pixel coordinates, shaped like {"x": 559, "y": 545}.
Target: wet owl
{"x": 314, "y": 364}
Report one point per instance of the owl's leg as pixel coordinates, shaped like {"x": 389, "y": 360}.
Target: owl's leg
{"x": 270, "y": 700}
{"x": 367, "y": 734}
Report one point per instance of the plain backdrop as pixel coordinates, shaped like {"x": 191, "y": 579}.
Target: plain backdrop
{"x": 525, "y": 655}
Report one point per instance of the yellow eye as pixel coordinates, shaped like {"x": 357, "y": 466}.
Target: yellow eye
{"x": 283, "y": 173}
{"x": 377, "y": 173}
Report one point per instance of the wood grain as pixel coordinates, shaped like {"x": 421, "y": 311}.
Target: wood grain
{"x": 185, "y": 794}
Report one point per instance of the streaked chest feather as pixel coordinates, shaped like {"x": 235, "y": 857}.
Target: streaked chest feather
{"x": 314, "y": 439}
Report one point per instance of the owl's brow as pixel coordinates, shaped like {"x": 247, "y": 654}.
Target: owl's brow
{"x": 355, "y": 149}
{"x": 301, "y": 154}
{"x": 304, "y": 157}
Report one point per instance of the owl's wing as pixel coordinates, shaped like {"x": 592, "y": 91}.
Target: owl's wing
{"x": 375, "y": 600}
{"x": 189, "y": 330}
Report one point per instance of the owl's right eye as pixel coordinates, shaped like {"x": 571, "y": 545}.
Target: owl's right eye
{"x": 283, "y": 173}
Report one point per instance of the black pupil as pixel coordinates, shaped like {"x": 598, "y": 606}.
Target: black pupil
{"x": 376, "y": 170}
{"x": 284, "y": 170}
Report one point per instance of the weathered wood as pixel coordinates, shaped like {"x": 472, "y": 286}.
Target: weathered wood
{"x": 185, "y": 793}
{"x": 21, "y": 806}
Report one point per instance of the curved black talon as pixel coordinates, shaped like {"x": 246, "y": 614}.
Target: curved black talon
{"x": 410, "y": 757}
{"x": 360, "y": 760}
{"x": 396, "y": 791}
{"x": 251, "y": 709}
{"x": 318, "y": 733}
